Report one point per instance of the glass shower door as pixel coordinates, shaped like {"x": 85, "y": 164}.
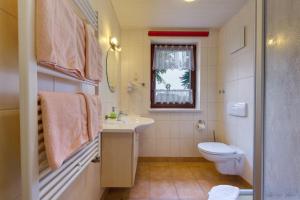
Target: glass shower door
{"x": 282, "y": 100}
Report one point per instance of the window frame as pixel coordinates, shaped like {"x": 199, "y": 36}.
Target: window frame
{"x": 193, "y": 81}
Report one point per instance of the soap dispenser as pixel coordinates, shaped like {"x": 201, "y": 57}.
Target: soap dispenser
{"x": 113, "y": 114}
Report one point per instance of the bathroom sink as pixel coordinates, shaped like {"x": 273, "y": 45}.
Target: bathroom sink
{"x": 114, "y": 122}
{"x": 127, "y": 124}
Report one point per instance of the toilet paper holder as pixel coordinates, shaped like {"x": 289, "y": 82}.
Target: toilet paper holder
{"x": 201, "y": 125}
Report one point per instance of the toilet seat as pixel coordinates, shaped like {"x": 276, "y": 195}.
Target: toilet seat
{"x": 216, "y": 148}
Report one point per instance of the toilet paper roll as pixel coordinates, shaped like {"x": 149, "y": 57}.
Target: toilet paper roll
{"x": 200, "y": 125}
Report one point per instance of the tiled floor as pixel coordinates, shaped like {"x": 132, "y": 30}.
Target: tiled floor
{"x": 174, "y": 181}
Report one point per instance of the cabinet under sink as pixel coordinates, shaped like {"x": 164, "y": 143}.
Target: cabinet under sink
{"x": 120, "y": 151}
{"x": 119, "y": 159}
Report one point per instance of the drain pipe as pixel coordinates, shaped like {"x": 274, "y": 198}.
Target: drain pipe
{"x": 214, "y": 134}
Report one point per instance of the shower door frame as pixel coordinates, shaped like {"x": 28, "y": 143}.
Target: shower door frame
{"x": 259, "y": 101}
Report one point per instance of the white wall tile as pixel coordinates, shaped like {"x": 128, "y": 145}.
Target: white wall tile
{"x": 162, "y": 147}
{"x": 237, "y": 70}
{"x": 195, "y": 149}
{"x": 212, "y": 111}
{"x": 212, "y": 56}
{"x": 246, "y": 90}
{"x": 148, "y": 132}
{"x": 172, "y": 127}
{"x": 245, "y": 65}
{"x": 212, "y": 93}
{"x": 161, "y": 116}
{"x": 213, "y": 39}
{"x": 204, "y": 75}
{"x": 182, "y": 116}
{"x": 204, "y": 56}
{"x": 187, "y": 147}
{"x": 175, "y": 147}
{"x": 175, "y": 129}
{"x": 147, "y": 147}
{"x": 162, "y": 129}
{"x": 187, "y": 129}
{"x": 212, "y": 75}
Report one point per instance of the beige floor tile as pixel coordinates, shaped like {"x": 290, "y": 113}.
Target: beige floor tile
{"x": 163, "y": 190}
{"x": 174, "y": 181}
{"x": 181, "y": 173}
{"x": 141, "y": 190}
{"x": 160, "y": 173}
{"x": 189, "y": 189}
{"x": 159, "y": 164}
{"x": 143, "y": 172}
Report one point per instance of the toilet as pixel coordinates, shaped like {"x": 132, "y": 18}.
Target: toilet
{"x": 228, "y": 159}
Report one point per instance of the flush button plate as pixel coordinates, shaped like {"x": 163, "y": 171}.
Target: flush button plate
{"x": 238, "y": 109}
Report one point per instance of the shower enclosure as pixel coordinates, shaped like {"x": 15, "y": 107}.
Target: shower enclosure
{"x": 278, "y": 100}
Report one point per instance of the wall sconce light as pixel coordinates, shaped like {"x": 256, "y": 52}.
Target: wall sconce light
{"x": 114, "y": 44}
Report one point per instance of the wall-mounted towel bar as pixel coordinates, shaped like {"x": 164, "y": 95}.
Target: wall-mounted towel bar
{"x": 38, "y": 181}
{"x": 87, "y": 12}
{"x": 54, "y": 73}
{"x": 53, "y": 183}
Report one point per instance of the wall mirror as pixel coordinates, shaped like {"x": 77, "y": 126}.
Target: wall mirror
{"x": 112, "y": 64}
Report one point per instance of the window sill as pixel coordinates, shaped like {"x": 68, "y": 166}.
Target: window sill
{"x": 180, "y": 110}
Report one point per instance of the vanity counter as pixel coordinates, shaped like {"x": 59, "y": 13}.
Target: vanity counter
{"x": 126, "y": 124}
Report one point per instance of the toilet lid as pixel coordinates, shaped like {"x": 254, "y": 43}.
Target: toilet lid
{"x": 216, "y": 148}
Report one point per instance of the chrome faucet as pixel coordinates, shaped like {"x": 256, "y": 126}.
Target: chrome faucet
{"x": 121, "y": 113}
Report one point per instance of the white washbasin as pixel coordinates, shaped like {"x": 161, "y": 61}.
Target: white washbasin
{"x": 127, "y": 124}
{"x": 114, "y": 122}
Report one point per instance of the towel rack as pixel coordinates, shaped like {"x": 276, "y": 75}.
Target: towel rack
{"x": 53, "y": 183}
{"x": 86, "y": 11}
{"x": 38, "y": 181}
{"x": 57, "y": 74}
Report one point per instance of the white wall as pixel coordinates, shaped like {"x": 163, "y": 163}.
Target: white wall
{"x": 108, "y": 27}
{"x": 173, "y": 134}
{"x": 9, "y": 104}
{"x": 236, "y": 76}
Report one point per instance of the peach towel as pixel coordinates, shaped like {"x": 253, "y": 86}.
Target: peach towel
{"x": 60, "y": 37}
{"x": 94, "y": 66}
{"x": 65, "y": 125}
{"x": 92, "y": 107}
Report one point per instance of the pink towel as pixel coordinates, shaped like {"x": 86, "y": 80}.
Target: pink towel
{"x": 92, "y": 107}
{"x": 60, "y": 37}
{"x": 93, "y": 55}
{"x": 65, "y": 125}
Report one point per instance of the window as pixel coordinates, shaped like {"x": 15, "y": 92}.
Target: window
{"x": 173, "y": 76}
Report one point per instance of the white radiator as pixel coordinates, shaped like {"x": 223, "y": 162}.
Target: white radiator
{"x": 38, "y": 181}
{"x": 53, "y": 183}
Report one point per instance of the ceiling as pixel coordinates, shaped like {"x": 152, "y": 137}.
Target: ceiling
{"x": 175, "y": 13}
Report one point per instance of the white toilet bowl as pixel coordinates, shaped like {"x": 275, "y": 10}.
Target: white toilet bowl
{"x": 228, "y": 159}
